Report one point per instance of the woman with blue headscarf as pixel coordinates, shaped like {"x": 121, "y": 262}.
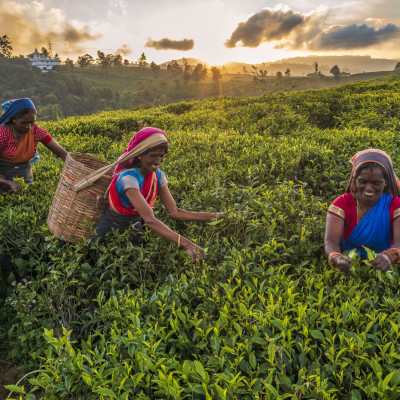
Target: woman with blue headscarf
{"x": 19, "y": 136}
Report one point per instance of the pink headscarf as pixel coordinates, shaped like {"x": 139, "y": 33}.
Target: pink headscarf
{"x": 140, "y": 136}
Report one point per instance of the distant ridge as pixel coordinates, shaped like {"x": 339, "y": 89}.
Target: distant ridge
{"x": 304, "y": 65}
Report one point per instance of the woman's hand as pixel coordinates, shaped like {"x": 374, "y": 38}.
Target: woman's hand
{"x": 382, "y": 262}
{"x": 14, "y": 186}
{"x": 215, "y": 215}
{"x": 195, "y": 252}
{"x": 342, "y": 262}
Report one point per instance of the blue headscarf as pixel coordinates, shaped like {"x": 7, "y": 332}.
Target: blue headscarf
{"x": 11, "y": 107}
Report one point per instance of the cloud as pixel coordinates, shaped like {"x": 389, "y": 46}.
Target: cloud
{"x": 31, "y": 24}
{"x": 307, "y": 32}
{"x": 354, "y": 37}
{"x": 124, "y": 50}
{"x": 121, "y": 5}
{"x": 168, "y": 44}
{"x": 274, "y": 25}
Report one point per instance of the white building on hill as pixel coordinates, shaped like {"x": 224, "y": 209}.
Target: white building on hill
{"x": 41, "y": 61}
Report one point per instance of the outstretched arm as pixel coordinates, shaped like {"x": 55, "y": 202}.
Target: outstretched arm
{"x": 333, "y": 231}
{"x": 55, "y": 148}
{"x": 179, "y": 213}
{"x": 13, "y": 185}
{"x": 145, "y": 211}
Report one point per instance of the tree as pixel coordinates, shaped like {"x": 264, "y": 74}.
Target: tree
{"x": 45, "y": 52}
{"x": 397, "y": 67}
{"x": 126, "y": 62}
{"x": 174, "y": 67}
{"x": 104, "y": 60}
{"x": 216, "y": 75}
{"x": 85, "y": 60}
{"x": 335, "y": 71}
{"x": 69, "y": 63}
{"x": 142, "y": 61}
{"x": 288, "y": 73}
{"x": 5, "y": 46}
{"x": 155, "y": 68}
{"x": 199, "y": 72}
{"x": 117, "y": 60}
{"x": 279, "y": 76}
{"x": 187, "y": 74}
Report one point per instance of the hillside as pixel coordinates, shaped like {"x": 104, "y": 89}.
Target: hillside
{"x": 264, "y": 317}
{"x": 83, "y": 91}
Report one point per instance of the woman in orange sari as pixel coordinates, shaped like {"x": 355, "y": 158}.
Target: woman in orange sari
{"x": 19, "y": 136}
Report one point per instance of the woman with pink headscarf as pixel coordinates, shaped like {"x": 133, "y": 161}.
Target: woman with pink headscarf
{"x": 134, "y": 190}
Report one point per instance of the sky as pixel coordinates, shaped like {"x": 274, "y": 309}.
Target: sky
{"x": 213, "y": 31}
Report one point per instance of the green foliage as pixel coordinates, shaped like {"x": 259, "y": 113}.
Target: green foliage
{"x": 264, "y": 317}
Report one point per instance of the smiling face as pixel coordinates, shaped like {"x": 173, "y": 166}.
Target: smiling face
{"x": 370, "y": 184}
{"x": 150, "y": 162}
{"x": 24, "y": 124}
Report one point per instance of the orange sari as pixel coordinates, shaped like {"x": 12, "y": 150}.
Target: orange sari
{"x": 25, "y": 149}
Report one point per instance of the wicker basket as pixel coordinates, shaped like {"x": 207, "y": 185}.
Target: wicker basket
{"x": 74, "y": 214}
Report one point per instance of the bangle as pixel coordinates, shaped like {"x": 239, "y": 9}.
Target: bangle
{"x": 179, "y": 240}
{"x": 331, "y": 255}
{"x": 393, "y": 254}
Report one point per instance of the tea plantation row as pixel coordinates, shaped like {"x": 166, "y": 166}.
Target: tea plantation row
{"x": 264, "y": 317}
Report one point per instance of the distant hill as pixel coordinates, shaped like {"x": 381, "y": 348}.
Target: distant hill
{"x": 300, "y": 66}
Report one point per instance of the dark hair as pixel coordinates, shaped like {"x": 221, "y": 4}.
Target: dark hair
{"x": 162, "y": 146}
{"x": 372, "y": 164}
{"x": 21, "y": 113}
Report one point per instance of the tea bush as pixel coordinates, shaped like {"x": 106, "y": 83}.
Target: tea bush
{"x": 264, "y": 317}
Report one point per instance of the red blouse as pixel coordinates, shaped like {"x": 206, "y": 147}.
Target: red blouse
{"x": 345, "y": 208}
{"x": 8, "y": 145}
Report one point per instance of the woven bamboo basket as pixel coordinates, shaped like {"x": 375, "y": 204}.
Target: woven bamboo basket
{"x": 74, "y": 214}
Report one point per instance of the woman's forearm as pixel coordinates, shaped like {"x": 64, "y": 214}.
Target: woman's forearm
{"x": 184, "y": 215}
{"x": 164, "y": 231}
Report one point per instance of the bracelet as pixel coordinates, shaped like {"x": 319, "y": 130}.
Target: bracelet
{"x": 331, "y": 255}
{"x": 179, "y": 240}
{"x": 393, "y": 254}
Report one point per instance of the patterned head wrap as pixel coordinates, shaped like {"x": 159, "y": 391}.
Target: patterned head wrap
{"x": 144, "y": 135}
{"x": 12, "y": 107}
{"x": 379, "y": 157}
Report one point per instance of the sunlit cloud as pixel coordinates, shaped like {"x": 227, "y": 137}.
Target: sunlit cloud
{"x": 124, "y": 50}
{"x": 31, "y": 24}
{"x": 354, "y": 37}
{"x": 168, "y": 44}
{"x": 295, "y": 31}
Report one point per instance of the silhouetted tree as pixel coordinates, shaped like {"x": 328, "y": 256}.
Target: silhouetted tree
{"x": 173, "y": 66}
{"x": 155, "y": 68}
{"x": 126, "y": 62}
{"x": 397, "y": 67}
{"x": 288, "y": 73}
{"x": 335, "y": 71}
{"x": 69, "y": 63}
{"x": 45, "y": 52}
{"x": 187, "y": 73}
{"x": 104, "y": 60}
{"x": 278, "y": 76}
{"x": 5, "y": 46}
{"x": 85, "y": 60}
{"x": 142, "y": 61}
{"x": 117, "y": 60}
{"x": 199, "y": 72}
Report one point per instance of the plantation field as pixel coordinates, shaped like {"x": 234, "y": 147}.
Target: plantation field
{"x": 264, "y": 317}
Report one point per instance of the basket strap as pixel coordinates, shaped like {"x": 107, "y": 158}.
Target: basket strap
{"x": 149, "y": 142}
